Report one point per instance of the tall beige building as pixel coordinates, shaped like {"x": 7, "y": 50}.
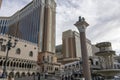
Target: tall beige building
{"x": 0, "y": 3}
{"x": 46, "y": 57}
{"x": 71, "y": 48}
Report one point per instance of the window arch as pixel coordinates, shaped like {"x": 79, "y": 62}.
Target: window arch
{"x": 25, "y": 65}
{"x": 22, "y": 65}
{"x": 48, "y": 58}
{"x": 43, "y": 58}
{"x": 1, "y": 63}
{"x": 3, "y": 48}
{"x": 18, "y": 51}
{"x": 11, "y": 64}
{"x": 17, "y": 64}
{"x": 31, "y": 54}
{"x": 14, "y": 64}
{"x": 97, "y": 63}
{"x": 51, "y": 58}
{"x": 8, "y": 63}
{"x": 91, "y": 61}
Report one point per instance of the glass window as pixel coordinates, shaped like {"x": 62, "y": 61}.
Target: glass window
{"x": 51, "y": 58}
{"x": 48, "y": 58}
{"x": 3, "y": 48}
{"x": 18, "y": 51}
{"x": 97, "y": 63}
{"x": 31, "y": 54}
{"x": 43, "y": 58}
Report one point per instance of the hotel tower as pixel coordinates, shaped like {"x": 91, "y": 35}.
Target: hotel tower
{"x": 35, "y": 23}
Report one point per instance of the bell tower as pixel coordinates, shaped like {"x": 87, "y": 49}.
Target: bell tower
{"x": 49, "y": 26}
{"x": 46, "y": 57}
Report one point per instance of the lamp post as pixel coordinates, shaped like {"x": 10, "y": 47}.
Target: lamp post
{"x": 9, "y": 45}
{"x": 81, "y": 24}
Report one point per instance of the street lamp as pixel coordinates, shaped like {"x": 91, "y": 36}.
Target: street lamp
{"x": 81, "y": 24}
{"x": 9, "y": 45}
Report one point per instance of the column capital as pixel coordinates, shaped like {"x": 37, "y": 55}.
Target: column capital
{"x": 50, "y": 3}
{"x": 81, "y": 24}
{"x": 81, "y": 29}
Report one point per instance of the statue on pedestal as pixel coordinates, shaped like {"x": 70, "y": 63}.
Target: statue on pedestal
{"x": 81, "y": 19}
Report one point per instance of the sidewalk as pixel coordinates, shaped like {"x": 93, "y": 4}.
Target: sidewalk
{"x": 3, "y": 79}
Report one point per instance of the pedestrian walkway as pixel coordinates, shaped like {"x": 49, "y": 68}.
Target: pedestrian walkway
{"x": 37, "y": 77}
{"x": 3, "y": 79}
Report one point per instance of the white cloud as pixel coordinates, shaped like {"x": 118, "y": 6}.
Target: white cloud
{"x": 103, "y": 17}
{"x": 9, "y": 7}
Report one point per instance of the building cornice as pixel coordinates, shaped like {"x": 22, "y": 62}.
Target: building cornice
{"x": 20, "y": 40}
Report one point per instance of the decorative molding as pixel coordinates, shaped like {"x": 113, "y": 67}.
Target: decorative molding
{"x": 81, "y": 29}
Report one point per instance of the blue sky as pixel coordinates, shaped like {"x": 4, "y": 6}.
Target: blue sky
{"x": 102, "y": 15}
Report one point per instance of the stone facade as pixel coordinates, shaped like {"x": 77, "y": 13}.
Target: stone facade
{"x": 75, "y": 69}
{"x": 22, "y": 59}
{"x": 70, "y": 50}
{"x": 35, "y": 23}
{"x": 72, "y": 65}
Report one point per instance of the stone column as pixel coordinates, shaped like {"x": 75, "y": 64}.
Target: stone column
{"x": 53, "y": 26}
{"x": 0, "y": 3}
{"x": 112, "y": 60}
{"x": 47, "y": 39}
{"x": 40, "y": 36}
{"x": 81, "y": 25}
{"x": 47, "y": 26}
